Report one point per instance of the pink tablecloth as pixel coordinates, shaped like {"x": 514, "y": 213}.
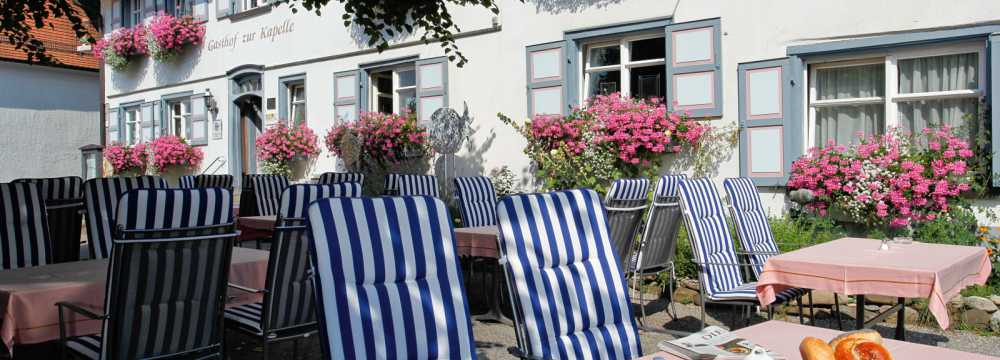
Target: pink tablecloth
{"x": 477, "y": 241}
{"x": 257, "y": 222}
{"x": 784, "y": 338}
{"x": 28, "y": 296}
{"x": 853, "y": 266}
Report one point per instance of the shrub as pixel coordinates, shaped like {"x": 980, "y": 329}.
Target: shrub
{"x": 170, "y": 151}
{"x": 504, "y": 181}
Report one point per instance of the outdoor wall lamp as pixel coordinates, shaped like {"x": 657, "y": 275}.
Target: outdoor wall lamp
{"x": 210, "y": 102}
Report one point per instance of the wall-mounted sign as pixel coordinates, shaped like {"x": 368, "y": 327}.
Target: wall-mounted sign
{"x": 233, "y": 40}
{"x": 217, "y": 129}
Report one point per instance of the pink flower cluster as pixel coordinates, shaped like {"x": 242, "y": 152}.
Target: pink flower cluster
{"x": 281, "y": 143}
{"x": 169, "y": 34}
{"x": 173, "y": 151}
{"x": 383, "y": 137}
{"x": 124, "y": 42}
{"x": 124, "y": 158}
{"x": 642, "y": 129}
{"x": 552, "y": 131}
{"x": 888, "y": 179}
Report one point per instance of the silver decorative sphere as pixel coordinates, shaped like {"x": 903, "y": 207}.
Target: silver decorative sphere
{"x": 448, "y": 130}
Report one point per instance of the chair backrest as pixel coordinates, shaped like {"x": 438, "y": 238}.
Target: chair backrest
{"x": 296, "y": 198}
{"x": 398, "y": 255}
{"x": 477, "y": 200}
{"x": 391, "y": 186}
{"x": 166, "y": 283}
{"x": 24, "y": 228}
{"x": 186, "y": 182}
{"x": 659, "y": 238}
{"x": 267, "y": 192}
{"x": 417, "y": 185}
{"x": 338, "y": 177}
{"x": 627, "y": 193}
{"x": 63, "y": 198}
{"x": 569, "y": 294}
{"x": 624, "y": 224}
{"x": 750, "y": 220}
{"x": 708, "y": 232}
{"x": 100, "y": 196}
{"x": 224, "y": 181}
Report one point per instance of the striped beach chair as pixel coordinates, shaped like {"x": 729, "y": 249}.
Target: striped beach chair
{"x": 224, "y": 181}
{"x": 63, "y": 198}
{"x": 719, "y": 269}
{"x": 388, "y": 282}
{"x": 561, "y": 314}
{"x": 24, "y": 230}
{"x": 417, "y": 185}
{"x": 391, "y": 185}
{"x": 658, "y": 245}
{"x": 186, "y": 182}
{"x": 287, "y": 311}
{"x": 477, "y": 200}
{"x": 337, "y": 177}
{"x": 100, "y": 197}
{"x": 625, "y": 203}
{"x": 267, "y": 192}
{"x": 183, "y": 239}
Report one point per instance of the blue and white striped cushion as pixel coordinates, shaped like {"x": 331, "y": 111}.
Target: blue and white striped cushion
{"x": 101, "y": 196}
{"x": 628, "y": 189}
{"x": 296, "y": 198}
{"x": 571, "y": 301}
{"x": 667, "y": 185}
{"x": 751, "y": 221}
{"x": 267, "y": 189}
{"x": 709, "y": 236}
{"x": 24, "y": 228}
{"x": 186, "y": 182}
{"x": 748, "y": 292}
{"x": 336, "y": 178}
{"x": 160, "y": 209}
{"x": 477, "y": 200}
{"x": 391, "y": 186}
{"x": 387, "y": 279}
{"x": 58, "y": 189}
{"x": 208, "y": 180}
{"x": 417, "y": 185}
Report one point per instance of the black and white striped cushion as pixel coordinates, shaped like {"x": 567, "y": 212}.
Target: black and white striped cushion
{"x": 710, "y": 238}
{"x": 336, "y": 178}
{"x": 87, "y": 347}
{"x": 24, "y": 230}
{"x": 477, "y": 200}
{"x": 246, "y": 316}
{"x": 101, "y": 196}
{"x": 391, "y": 185}
{"x": 186, "y": 182}
{"x": 417, "y": 185}
{"x": 60, "y": 188}
{"x": 224, "y": 181}
{"x": 627, "y": 189}
{"x": 267, "y": 190}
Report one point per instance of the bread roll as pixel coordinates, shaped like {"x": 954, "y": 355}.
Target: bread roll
{"x": 860, "y": 349}
{"x": 815, "y": 349}
{"x": 866, "y": 334}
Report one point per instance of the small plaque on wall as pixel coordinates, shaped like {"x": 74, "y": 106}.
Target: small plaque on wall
{"x": 271, "y": 103}
{"x": 217, "y": 130}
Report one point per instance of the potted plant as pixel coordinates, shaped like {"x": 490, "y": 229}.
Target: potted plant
{"x": 127, "y": 160}
{"x": 379, "y": 143}
{"x": 119, "y": 47}
{"x": 285, "y": 150}
{"x": 173, "y": 157}
{"x": 167, "y": 35}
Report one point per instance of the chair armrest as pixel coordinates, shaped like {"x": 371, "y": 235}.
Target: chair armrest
{"x": 702, "y": 264}
{"x": 80, "y": 310}
{"x": 758, "y": 253}
{"x": 247, "y": 289}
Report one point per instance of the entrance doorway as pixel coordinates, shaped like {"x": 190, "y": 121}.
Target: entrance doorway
{"x": 250, "y": 125}
{"x": 245, "y": 118}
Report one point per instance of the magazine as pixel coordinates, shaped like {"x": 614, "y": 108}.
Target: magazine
{"x": 712, "y": 343}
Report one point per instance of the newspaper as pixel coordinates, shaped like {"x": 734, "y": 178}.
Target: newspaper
{"x": 712, "y": 343}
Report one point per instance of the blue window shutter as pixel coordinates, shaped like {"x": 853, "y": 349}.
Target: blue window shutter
{"x": 157, "y": 119}
{"x": 432, "y": 87}
{"x": 114, "y": 134}
{"x": 770, "y": 139}
{"x": 694, "y": 67}
{"x": 116, "y": 14}
{"x": 546, "y": 78}
{"x": 197, "y": 127}
{"x": 148, "y": 119}
{"x": 223, "y": 8}
{"x": 993, "y": 54}
{"x": 349, "y": 94}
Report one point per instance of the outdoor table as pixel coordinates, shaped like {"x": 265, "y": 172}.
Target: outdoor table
{"x": 783, "y": 338}
{"x": 853, "y": 266}
{"x": 255, "y": 227}
{"x": 28, "y": 296}
{"x": 481, "y": 242}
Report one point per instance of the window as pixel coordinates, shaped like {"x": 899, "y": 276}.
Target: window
{"x": 633, "y": 66}
{"x": 251, "y": 4}
{"x": 178, "y": 7}
{"x": 133, "y": 125}
{"x": 297, "y": 103}
{"x": 394, "y": 90}
{"x": 180, "y": 117}
{"x": 907, "y": 89}
{"x": 132, "y": 10}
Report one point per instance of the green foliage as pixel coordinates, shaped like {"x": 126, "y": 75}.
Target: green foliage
{"x": 504, "y": 181}
{"x": 957, "y": 227}
{"x": 981, "y": 290}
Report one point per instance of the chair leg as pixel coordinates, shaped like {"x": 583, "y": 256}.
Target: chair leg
{"x": 836, "y": 311}
{"x": 642, "y": 304}
{"x": 670, "y": 287}
{"x": 770, "y": 312}
{"x": 812, "y": 309}
{"x": 802, "y": 315}
{"x": 266, "y": 352}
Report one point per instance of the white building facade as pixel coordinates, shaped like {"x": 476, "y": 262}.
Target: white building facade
{"x": 786, "y": 72}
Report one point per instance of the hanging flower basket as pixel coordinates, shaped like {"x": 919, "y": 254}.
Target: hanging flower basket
{"x": 127, "y": 160}
{"x": 283, "y": 150}
{"x": 173, "y": 157}
{"x": 167, "y": 35}
{"x": 118, "y": 48}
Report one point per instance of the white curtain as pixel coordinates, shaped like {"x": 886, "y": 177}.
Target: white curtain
{"x": 939, "y": 73}
{"x": 842, "y": 123}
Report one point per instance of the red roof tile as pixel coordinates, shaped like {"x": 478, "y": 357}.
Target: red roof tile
{"x": 60, "y": 43}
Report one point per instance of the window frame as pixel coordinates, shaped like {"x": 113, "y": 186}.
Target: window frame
{"x": 132, "y": 13}
{"x": 184, "y": 117}
{"x": 133, "y": 126}
{"x": 293, "y": 102}
{"x": 374, "y": 94}
{"x": 624, "y": 66}
{"x": 891, "y": 99}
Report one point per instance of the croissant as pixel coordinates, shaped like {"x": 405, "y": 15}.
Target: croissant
{"x": 861, "y": 349}
{"x": 856, "y": 345}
